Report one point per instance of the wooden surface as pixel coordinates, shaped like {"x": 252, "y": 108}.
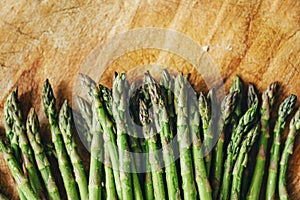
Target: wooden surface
{"x": 39, "y": 39}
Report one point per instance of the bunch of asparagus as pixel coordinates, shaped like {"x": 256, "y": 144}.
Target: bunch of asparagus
{"x": 160, "y": 140}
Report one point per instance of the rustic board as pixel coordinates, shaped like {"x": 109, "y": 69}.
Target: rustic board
{"x": 258, "y": 40}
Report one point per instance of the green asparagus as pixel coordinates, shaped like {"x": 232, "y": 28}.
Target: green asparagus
{"x": 163, "y": 128}
{"x": 237, "y": 86}
{"x": 119, "y": 92}
{"x": 250, "y": 167}
{"x": 20, "y": 130}
{"x": 109, "y": 177}
{"x": 287, "y": 151}
{"x": 268, "y": 100}
{"x": 201, "y": 177}
{"x": 227, "y": 108}
{"x": 10, "y": 134}
{"x": 186, "y": 164}
{"x": 43, "y": 164}
{"x": 86, "y": 114}
{"x": 107, "y": 100}
{"x": 96, "y": 166}
{"x": 62, "y": 156}
{"x": 65, "y": 125}
{"x": 243, "y": 126}
{"x": 167, "y": 81}
{"x": 107, "y": 126}
{"x": 156, "y": 170}
{"x": 241, "y": 161}
{"x": 23, "y": 184}
{"x": 285, "y": 109}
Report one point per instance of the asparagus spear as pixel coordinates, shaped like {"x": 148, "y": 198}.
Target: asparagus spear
{"x": 243, "y": 126}
{"x": 251, "y": 100}
{"x": 83, "y": 130}
{"x": 10, "y": 134}
{"x": 107, "y": 100}
{"x": 285, "y": 109}
{"x": 107, "y": 126}
{"x": 23, "y": 184}
{"x": 109, "y": 177}
{"x": 86, "y": 113}
{"x": 12, "y": 139}
{"x": 148, "y": 188}
{"x": 20, "y": 131}
{"x": 96, "y": 167}
{"x": 43, "y": 164}
{"x": 120, "y": 89}
{"x": 242, "y": 160}
{"x": 212, "y": 107}
{"x": 65, "y": 125}
{"x": 62, "y": 156}
{"x": 201, "y": 177}
{"x": 287, "y": 151}
{"x": 227, "y": 108}
{"x": 186, "y": 164}
{"x": 167, "y": 81}
{"x": 238, "y": 87}
{"x": 268, "y": 100}
{"x": 163, "y": 128}
{"x": 136, "y": 147}
{"x": 156, "y": 170}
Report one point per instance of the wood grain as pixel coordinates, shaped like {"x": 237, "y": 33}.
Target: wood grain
{"x": 257, "y": 39}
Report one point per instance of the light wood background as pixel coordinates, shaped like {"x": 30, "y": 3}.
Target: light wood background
{"x": 257, "y": 39}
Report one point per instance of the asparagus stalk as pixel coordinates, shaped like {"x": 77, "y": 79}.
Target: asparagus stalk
{"x": 227, "y": 109}
{"x": 13, "y": 140}
{"x": 251, "y": 100}
{"x": 83, "y": 130}
{"x": 107, "y": 100}
{"x": 43, "y": 164}
{"x": 237, "y": 86}
{"x": 120, "y": 89}
{"x": 20, "y": 131}
{"x": 186, "y": 164}
{"x": 156, "y": 170}
{"x": 96, "y": 167}
{"x": 10, "y": 134}
{"x": 167, "y": 81}
{"x": 242, "y": 161}
{"x": 163, "y": 128}
{"x": 243, "y": 126}
{"x": 211, "y": 98}
{"x": 136, "y": 147}
{"x": 86, "y": 113}
{"x": 62, "y": 156}
{"x": 204, "y": 110}
{"x": 65, "y": 125}
{"x": 23, "y": 184}
{"x": 109, "y": 177}
{"x": 107, "y": 126}
{"x": 268, "y": 100}
{"x": 201, "y": 177}
{"x": 287, "y": 151}
{"x": 285, "y": 109}
{"x": 148, "y": 188}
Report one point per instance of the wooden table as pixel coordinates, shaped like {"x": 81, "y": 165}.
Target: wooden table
{"x": 258, "y": 40}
